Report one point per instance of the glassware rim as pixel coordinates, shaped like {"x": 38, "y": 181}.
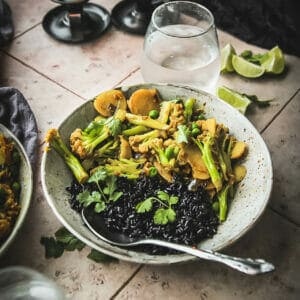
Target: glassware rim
{"x": 210, "y": 25}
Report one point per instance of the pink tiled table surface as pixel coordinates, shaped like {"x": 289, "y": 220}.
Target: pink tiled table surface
{"x": 55, "y": 78}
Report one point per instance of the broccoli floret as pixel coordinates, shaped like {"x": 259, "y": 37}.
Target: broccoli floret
{"x": 164, "y": 158}
{"x": 130, "y": 168}
{"x": 206, "y": 147}
{"x": 140, "y": 143}
{"x": 145, "y": 121}
{"x": 107, "y": 150}
{"x": 53, "y": 139}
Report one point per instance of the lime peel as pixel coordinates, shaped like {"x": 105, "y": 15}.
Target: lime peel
{"x": 226, "y": 58}
{"x": 235, "y": 99}
{"x": 246, "y": 68}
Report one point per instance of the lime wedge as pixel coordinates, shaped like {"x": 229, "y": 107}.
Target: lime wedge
{"x": 275, "y": 61}
{"x": 246, "y": 68}
{"x": 233, "y": 98}
{"x": 226, "y": 58}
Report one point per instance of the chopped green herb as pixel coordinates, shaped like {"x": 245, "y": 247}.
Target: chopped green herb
{"x": 183, "y": 134}
{"x": 114, "y": 125}
{"x": 68, "y": 239}
{"x": 144, "y": 206}
{"x": 100, "y": 257}
{"x": 53, "y": 248}
{"x": 162, "y": 215}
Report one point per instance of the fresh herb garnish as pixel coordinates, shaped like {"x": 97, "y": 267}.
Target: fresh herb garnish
{"x": 254, "y": 58}
{"x": 100, "y": 257}
{"x": 114, "y": 125}
{"x": 106, "y": 185}
{"x": 66, "y": 241}
{"x": 183, "y": 134}
{"x": 165, "y": 213}
{"x": 63, "y": 240}
{"x": 258, "y": 102}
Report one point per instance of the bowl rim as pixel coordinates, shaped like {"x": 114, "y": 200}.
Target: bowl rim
{"x": 159, "y": 259}
{"x": 25, "y": 206}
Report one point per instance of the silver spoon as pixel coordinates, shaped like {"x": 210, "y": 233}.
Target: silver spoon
{"x": 245, "y": 265}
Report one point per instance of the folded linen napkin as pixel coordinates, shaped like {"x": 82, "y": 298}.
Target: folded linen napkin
{"x": 17, "y": 116}
{"x": 6, "y": 24}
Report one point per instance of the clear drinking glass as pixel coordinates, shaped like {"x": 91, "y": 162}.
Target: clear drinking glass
{"x": 21, "y": 283}
{"x": 181, "y": 46}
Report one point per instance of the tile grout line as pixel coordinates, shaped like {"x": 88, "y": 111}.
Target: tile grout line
{"x": 286, "y": 218}
{"x": 126, "y": 77}
{"x": 40, "y": 73}
{"x": 121, "y": 288}
{"x": 280, "y": 111}
{"x": 25, "y": 31}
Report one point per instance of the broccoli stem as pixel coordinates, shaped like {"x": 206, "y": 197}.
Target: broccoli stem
{"x": 162, "y": 156}
{"x": 145, "y": 121}
{"x": 188, "y": 109}
{"x": 165, "y": 112}
{"x": 222, "y": 197}
{"x": 91, "y": 144}
{"x": 54, "y": 141}
{"x": 207, "y": 156}
{"x": 135, "y": 130}
{"x": 107, "y": 149}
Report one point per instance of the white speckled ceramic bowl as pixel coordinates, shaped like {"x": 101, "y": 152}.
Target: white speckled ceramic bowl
{"x": 26, "y": 182}
{"x": 248, "y": 205}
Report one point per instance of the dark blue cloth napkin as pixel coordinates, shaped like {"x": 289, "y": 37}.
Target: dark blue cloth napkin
{"x": 17, "y": 116}
{"x": 6, "y": 24}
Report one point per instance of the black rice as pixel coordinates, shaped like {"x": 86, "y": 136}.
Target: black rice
{"x": 195, "y": 218}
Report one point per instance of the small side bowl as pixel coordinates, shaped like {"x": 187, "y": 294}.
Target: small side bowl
{"x": 247, "y": 206}
{"x": 26, "y": 181}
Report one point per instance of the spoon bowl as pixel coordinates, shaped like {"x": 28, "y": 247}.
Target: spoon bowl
{"x": 97, "y": 226}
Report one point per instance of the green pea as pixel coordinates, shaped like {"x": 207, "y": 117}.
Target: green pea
{"x": 152, "y": 172}
{"x": 195, "y": 131}
{"x": 194, "y": 125}
{"x": 153, "y": 114}
{"x": 215, "y": 206}
{"x": 169, "y": 152}
{"x": 16, "y": 187}
{"x": 176, "y": 151}
{"x": 201, "y": 117}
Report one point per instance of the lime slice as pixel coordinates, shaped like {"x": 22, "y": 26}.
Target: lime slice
{"x": 226, "y": 58}
{"x": 275, "y": 61}
{"x": 233, "y": 98}
{"x": 246, "y": 68}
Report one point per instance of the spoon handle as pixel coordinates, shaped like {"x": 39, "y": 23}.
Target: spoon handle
{"x": 245, "y": 265}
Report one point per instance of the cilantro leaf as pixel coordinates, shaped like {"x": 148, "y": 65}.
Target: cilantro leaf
{"x": 100, "y": 257}
{"x": 173, "y": 200}
{"x": 110, "y": 189}
{"x": 183, "y": 134}
{"x": 70, "y": 242}
{"x": 160, "y": 217}
{"x": 86, "y": 199}
{"x": 171, "y": 214}
{"x": 53, "y": 248}
{"x": 163, "y": 196}
{"x": 258, "y": 102}
{"x": 144, "y": 206}
{"x": 99, "y": 175}
{"x": 114, "y": 125}
{"x": 99, "y": 207}
{"x": 115, "y": 196}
